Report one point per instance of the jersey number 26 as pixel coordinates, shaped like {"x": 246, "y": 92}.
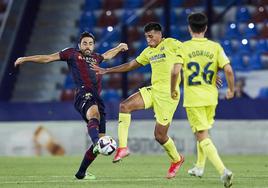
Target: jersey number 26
{"x": 207, "y": 74}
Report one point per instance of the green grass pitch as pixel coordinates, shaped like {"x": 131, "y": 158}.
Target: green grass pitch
{"x": 139, "y": 171}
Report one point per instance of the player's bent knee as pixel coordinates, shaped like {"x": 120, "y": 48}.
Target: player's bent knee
{"x": 124, "y": 108}
{"x": 160, "y": 138}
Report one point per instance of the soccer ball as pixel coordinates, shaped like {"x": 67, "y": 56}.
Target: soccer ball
{"x": 106, "y": 145}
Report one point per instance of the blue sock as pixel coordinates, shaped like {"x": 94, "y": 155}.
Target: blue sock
{"x": 89, "y": 157}
{"x": 93, "y": 130}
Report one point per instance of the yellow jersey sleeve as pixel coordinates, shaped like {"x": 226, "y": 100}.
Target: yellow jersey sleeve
{"x": 222, "y": 57}
{"x": 143, "y": 58}
{"x": 176, "y": 49}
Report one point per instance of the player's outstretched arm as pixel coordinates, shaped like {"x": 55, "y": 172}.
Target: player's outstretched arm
{"x": 175, "y": 73}
{"x": 117, "y": 69}
{"x": 114, "y": 51}
{"x": 229, "y": 74}
{"x": 38, "y": 59}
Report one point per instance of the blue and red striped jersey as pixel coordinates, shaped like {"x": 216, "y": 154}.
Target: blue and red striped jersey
{"x": 84, "y": 77}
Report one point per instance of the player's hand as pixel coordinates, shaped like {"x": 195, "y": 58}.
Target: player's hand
{"x": 229, "y": 94}
{"x": 218, "y": 82}
{"x": 123, "y": 47}
{"x": 98, "y": 69}
{"x": 19, "y": 61}
{"x": 175, "y": 95}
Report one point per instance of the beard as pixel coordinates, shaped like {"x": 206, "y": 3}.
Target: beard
{"x": 86, "y": 52}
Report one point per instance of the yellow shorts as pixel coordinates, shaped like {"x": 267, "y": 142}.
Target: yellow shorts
{"x": 201, "y": 118}
{"x": 162, "y": 103}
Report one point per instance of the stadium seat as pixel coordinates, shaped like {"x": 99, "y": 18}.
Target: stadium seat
{"x": 148, "y": 16}
{"x": 260, "y": 15}
{"x": 264, "y": 32}
{"x": 112, "y": 4}
{"x": 242, "y": 14}
{"x": 107, "y": 18}
{"x": 244, "y": 47}
{"x": 67, "y": 95}
{"x": 173, "y": 17}
{"x": 133, "y": 4}
{"x": 87, "y": 20}
{"x": 156, "y": 3}
{"x": 111, "y": 35}
{"x": 255, "y": 62}
{"x": 69, "y": 83}
{"x": 250, "y": 31}
{"x": 92, "y": 5}
{"x": 192, "y": 3}
{"x": 103, "y": 47}
{"x": 135, "y": 80}
{"x": 261, "y": 46}
{"x": 182, "y": 17}
{"x": 115, "y": 81}
{"x": 176, "y": 3}
{"x": 231, "y": 31}
{"x": 133, "y": 34}
{"x": 111, "y": 95}
{"x": 129, "y": 17}
{"x": 227, "y": 46}
{"x": 237, "y": 62}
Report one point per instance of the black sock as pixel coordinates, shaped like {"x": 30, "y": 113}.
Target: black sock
{"x": 89, "y": 157}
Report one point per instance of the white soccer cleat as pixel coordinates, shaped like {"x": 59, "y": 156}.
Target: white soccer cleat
{"x": 196, "y": 171}
{"x": 226, "y": 178}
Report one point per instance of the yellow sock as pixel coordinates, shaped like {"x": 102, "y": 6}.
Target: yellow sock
{"x": 171, "y": 150}
{"x": 124, "y": 122}
{"x": 201, "y": 157}
{"x": 211, "y": 152}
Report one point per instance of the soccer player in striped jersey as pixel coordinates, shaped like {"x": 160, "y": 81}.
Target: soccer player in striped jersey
{"x": 202, "y": 58}
{"x": 88, "y": 87}
{"x": 161, "y": 54}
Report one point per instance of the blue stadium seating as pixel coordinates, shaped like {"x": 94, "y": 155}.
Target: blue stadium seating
{"x": 250, "y": 31}
{"x": 255, "y": 62}
{"x": 87, "y": 20}
{"x": 242, "y": 14}
{"x": 227, "y": 46}
{"x": 232, "y": 31}
{"x": 133, "y": 4}
{"x": 261, "y": 46}
{"x": 92, "y": 5}
{"x": 244, "y": 47}
{"x": 237, "y": 62}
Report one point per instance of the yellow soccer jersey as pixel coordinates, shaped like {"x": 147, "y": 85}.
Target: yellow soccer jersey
{"x": 162, "y": 59}
{"x": 201, "y": 58}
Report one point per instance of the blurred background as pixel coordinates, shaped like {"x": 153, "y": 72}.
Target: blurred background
{"x": 38, "y": 94}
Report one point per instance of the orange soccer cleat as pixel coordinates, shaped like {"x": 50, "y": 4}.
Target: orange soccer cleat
{"x": 120, "y": 154}
{"x": 174, "y": 167}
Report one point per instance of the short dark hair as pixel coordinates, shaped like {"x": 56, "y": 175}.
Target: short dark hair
{"x": 152, "y": 26}
{"x": 198, "y": 22}
{"x": 86, "y": 34}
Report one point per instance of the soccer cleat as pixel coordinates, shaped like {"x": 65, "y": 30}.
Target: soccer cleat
{"x": 196, "y": 171}
{"x": 86, "y": 176}
{"x": 96, "y": 149}
{"x": 226, "y": 178}
{"x": 120, "y": 154}
{"x": 174, "y": 167}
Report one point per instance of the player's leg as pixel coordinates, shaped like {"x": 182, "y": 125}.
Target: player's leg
{"x": 164, "y": 110}
{"x": 197, "y": 120}
{"x": 137, "y": 101}
{"x": 198, "y": 169}
{"x": 93, "y": 116}
{"x": 170, "y": 148}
